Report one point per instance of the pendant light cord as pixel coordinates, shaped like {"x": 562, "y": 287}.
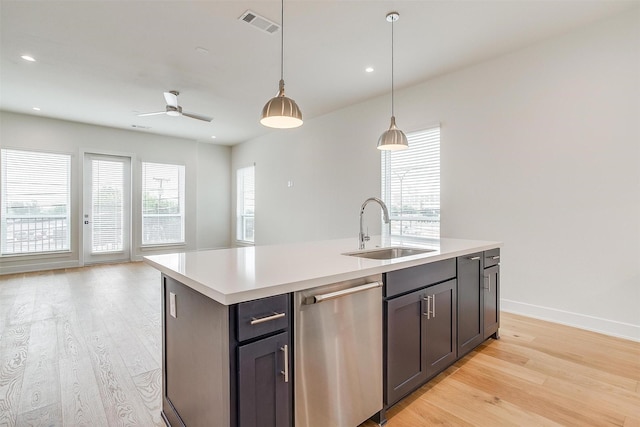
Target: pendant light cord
{"x": 282, "y": 40}
{"x": 392, "y": 97}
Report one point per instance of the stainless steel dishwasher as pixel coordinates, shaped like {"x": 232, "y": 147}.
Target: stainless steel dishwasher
{"x": 338, "y": 353}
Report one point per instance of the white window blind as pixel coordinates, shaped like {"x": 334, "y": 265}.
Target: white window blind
{"x": 245, "y": 221}
{"x": 35, "y": 202}
{"x": 163, "y": 187}
{"x": 411, "y": 185}
{"x": 107, "y": 191}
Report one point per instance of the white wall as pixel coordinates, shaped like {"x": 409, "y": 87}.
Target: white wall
{"x": 540, "y": 149}
{"x": 207, "y": 222}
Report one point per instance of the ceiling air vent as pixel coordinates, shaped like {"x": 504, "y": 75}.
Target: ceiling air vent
{"x": 259, "y": 22}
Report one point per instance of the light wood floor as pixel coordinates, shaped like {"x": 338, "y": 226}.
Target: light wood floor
{"x": 82, "y": 347}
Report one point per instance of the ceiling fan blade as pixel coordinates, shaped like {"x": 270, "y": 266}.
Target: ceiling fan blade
{"x": 152, "y": 114}
{"x": 171, "y": 98}
{"x": 197, "y": 116}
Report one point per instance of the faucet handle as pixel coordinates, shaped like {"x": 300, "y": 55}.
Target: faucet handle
{"x": 366, "y": 237}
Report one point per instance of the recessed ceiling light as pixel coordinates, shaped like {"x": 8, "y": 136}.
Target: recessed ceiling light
{"x": 369, "y": 69}
{"x": 213, "y": 137}
{"x": 36, "y": 108}
{"x": 28, "y": 58}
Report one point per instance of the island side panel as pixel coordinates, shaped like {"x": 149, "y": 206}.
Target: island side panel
{"x": 195, "y": 351}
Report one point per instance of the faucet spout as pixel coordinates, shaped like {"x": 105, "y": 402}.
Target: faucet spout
{"x": 385, "y": 213}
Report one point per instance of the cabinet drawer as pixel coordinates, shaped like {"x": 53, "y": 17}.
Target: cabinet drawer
{"x": 262, "y": 316}
{"x": 491, "y": 257}
{"x": 408, "y": 279}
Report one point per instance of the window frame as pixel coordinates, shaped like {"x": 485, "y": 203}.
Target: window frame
{"x": 428, "y": 139}
{"x": 181, "y": 205}
{"x": 67, "y": 217}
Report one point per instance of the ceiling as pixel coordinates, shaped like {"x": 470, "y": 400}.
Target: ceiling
{"x": 103, "y": 62}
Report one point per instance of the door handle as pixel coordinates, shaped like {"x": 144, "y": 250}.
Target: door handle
{"x": 285, "y": 372}
{"x": 333, "y": 295}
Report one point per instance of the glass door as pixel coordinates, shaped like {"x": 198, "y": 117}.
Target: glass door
{"x": 107, "y": 208}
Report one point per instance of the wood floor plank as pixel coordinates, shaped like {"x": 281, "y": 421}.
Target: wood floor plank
{"x": 46, "y": 416}
{"x": 149, "y": 385}
{"x": 120, "y": 398}
{"x": 81, "y": 400}
{"x": 13, "y": 357}
{"x": 41, "y": 383}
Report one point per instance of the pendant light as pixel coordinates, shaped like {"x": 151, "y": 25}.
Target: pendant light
{"x": 281, "y": 112}
{"x": 394, "y": 138}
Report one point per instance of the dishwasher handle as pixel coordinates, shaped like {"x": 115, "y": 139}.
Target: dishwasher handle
{"x": 338, "y": 294}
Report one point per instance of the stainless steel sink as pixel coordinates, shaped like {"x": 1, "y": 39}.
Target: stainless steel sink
{"x": 389, "y": 253}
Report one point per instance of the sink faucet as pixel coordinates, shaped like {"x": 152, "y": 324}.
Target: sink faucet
{"x": 361, "y": 237}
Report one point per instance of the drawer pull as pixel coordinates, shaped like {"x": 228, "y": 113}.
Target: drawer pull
{"x": 274, "y": 316}
{"x": 494, "y": 257}
{"x": 474, "y": 258}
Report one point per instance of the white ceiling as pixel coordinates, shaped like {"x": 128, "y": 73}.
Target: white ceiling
{"x": 102, "y": 62}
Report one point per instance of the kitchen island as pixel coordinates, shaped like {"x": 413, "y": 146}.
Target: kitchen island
{"x": 229, "y": 313}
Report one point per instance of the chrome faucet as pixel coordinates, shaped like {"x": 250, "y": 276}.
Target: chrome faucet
{"x": 365, "y": 238}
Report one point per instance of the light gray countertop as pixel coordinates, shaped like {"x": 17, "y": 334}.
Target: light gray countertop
{"x": 235, "y": 275}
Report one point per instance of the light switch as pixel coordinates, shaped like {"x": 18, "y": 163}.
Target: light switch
{"x": 172, "y": 304}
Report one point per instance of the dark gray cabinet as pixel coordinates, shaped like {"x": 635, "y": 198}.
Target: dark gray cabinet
{"x": 491, "y": 293}
{"x": 225, "y": 365}
{"x": 420, "y": 327}
{"x": 441, "y": 331}
{"x": 491, "y": 301}
{"x": 470, "y": 302}
{"x": 405, "y": 345}
{"x": 263, "y": 383}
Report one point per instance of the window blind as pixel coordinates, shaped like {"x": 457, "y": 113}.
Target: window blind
{"x": 107, "y": 181}
{"x": 163, "y": 188}
{"x": 245, "y": 220}
{"x": 411, "y": 185}
{"x": 35, "y": 203}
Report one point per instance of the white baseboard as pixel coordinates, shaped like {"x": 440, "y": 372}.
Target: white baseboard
{"x": 29, "y": 268}
{"x": 582, "y": 321}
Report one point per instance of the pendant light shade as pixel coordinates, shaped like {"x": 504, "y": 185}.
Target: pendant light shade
{"x": 281, "y": 112}
{"x": 394, "y": 138}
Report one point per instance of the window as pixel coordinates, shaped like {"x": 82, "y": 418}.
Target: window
{"x": 245, "y": 221}
{"x": 411, "y": 185}
{"x": 162, "y": 204}
{"x": 35, "y": 207}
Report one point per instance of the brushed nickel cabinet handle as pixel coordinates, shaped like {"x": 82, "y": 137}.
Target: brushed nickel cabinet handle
{"x": 473, "y": 258}
{"x": 257, "y": 321}
{"x": 487, "y": 283}
{"x": 285, "y": 372}
{"x": 494, "y": 257}
{"x": 428, "y": 312}
{"x": 433, "y": 298}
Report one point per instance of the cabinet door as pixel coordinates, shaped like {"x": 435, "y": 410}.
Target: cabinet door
{"x": 263, "y": 391}
{"x": 440, "y": 332}
{"x": 491, "y": 300}
{"x": 470, "y": 303}
{"x": 405, "y": 346}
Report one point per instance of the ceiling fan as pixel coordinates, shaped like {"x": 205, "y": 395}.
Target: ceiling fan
{"x": 173, "y": 109}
